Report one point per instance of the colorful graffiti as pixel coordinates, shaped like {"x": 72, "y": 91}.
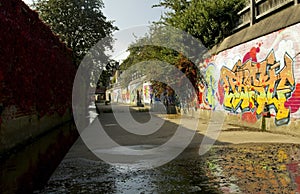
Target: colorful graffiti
{"x": 252, "y": 54}
{"x": 259, "y": 86}
{"x": 147, "y": 92}
{"x": 125, "y": 95}
{"x": 293, "y": 103}
{"x": 212, "y": 84}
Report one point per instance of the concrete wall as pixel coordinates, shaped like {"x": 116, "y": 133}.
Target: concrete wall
{"x": 127, "y": 95}
{"x": 277, "y": 21}
{"x": 255, "y": 71}
{"x": 19, "y": 131}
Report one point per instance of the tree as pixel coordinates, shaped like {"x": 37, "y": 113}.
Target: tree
{"x": 81, "y": 25}
{"x": 78, "y": 23}
{"x": 208, "y": 20}
{"x": 170, "y": 46}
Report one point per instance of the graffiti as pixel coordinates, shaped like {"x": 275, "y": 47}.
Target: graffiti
{"x": 147, "y": 91}
{"x": 211, "y": 89}
{"x": 125, "y": 96}
{"x": 251, "y": 55}
{"x": 220, "y": 93}
{"x": 294, "y": 102}
{"x": 257, "y": 86}
{"x": 250, "y": 117}
{"x": 201, "y": 88}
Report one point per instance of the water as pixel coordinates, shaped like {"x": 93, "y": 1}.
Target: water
{"x": 30, "y": 168}
{"x": 82, "y": 172}
{"x": 89, "y": 175}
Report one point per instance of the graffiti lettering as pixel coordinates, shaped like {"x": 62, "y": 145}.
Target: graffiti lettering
{"x": 212, "y": 85}
{"x": 254, "y": 86}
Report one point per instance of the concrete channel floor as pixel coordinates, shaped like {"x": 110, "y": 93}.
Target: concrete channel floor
{"x": 239, "y": 161}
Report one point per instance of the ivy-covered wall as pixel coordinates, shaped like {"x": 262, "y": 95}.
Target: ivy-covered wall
{"x": 36, "y": 70}
{"x": 36, "y": 74}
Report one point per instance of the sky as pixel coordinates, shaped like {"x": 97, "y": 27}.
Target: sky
{"x": 129, "y": 13}
{"x": 128, "y": 16}
{"x": 131, "y": 17}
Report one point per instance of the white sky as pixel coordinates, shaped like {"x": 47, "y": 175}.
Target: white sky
{"x": 128, "y": 14}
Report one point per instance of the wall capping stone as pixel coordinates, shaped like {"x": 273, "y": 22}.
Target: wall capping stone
{"x": 280, "y": 20}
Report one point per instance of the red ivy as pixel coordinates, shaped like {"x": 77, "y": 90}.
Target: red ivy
{"x": 190, "y": 72}
{"x": 36, "y": 69}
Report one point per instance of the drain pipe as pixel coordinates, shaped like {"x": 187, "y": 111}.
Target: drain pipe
{"x": 263, "y": 123}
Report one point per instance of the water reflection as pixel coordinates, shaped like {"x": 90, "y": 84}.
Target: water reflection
{"x": 83, "y": 172}
{"x": 31, "y": 167}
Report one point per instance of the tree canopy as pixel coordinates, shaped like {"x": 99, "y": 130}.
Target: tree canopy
{"x": 163, "y": 45}
{"x": 208, "y": 20}
{"x": 78, "y": 23}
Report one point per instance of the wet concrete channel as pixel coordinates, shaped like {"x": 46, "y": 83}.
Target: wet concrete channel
{"x": 49, "y": 166}
{"x": 29, "y": 168}
{"x": 88, "y": 174}
{"x": 82, "y": 172}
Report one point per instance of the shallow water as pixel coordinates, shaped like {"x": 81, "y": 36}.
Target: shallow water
{"x": 30, "y": 167}
{"x": 86, "y": 176}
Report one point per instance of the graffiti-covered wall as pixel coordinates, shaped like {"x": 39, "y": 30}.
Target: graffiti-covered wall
{"x": 258, "y": 77}
{"x": 130, "y": 94}
{"x": 147, "y": 92}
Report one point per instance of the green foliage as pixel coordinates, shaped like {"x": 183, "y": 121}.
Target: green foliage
{"x": 157, "y": 60}
{"x": 79, "y": 23}
{"x": 208, "y": 20}
{"x": 103, "y": 80}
